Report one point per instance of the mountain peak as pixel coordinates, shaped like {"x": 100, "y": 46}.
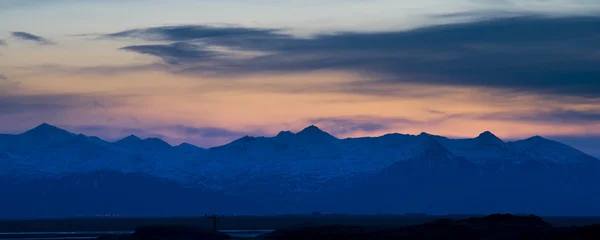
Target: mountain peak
{"x": 187, "y": 146}
{"x": 550, "y": 150}
{"x": 313, "y": 133}
{"x": 537, "y": 137}
{"x": 285, "y": 134}
{"x": 131, "y": 138}
{"x": 45, "y": 125}
{"x": 486, "y": 133}
{"x": 311, "y": 128}
{"x": 46, "y": 129}
{"x": 488, "y": 137}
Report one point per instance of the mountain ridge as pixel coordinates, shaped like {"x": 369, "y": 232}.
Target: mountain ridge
{"x": 312, "y": 169}
{"x": 46, "y": 134}
{"x": 311, "y": 129}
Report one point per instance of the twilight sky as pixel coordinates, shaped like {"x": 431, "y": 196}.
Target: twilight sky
{"x": 210, "y": 71}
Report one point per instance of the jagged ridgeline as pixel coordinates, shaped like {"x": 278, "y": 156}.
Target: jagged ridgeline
{"x": 48, "y": 171}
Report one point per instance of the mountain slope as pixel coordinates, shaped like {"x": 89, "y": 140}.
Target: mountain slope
{"x": 108, "y": 192}
{"x": 551, "y": 151}
{"x": 313, "y": 170}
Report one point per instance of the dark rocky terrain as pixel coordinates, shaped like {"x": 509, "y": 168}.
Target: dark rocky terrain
{"x": 492, "y": 227}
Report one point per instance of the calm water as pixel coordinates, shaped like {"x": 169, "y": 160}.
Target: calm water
{"x": 241, "y": 233}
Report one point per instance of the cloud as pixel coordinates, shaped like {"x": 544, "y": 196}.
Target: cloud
{"x": 479, "y": 15}
{"x": 193, "y": 32}
{"x": 560, "y": 116}
{"x": 104, "y": 70}
{"x": 348, "y": 125}
{"x": 342, "y": 126}
{"x": 50, "y": 103}
{"x": 33, "y": 38}
{"x": 7, "y": 85}
{"x": 209, "y": 132}
{"x": 174, "y": 53}
{"x": 3, "y": 43}
{"x": 545, "y": 55}
{"x": 24, "y": 104}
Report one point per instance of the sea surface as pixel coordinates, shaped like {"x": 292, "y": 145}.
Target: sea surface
{"x": 239, "y": 233}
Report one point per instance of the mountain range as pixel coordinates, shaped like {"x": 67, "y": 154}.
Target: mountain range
{"x": 50, "y": 172}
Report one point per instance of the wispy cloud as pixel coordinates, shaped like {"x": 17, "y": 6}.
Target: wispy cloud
{"x": 50, "y": 103}
{"x": 342, "y": 126}
{"x": 33, "y": 38}
{"x": 3, "y": 42}
{"x": 556, "y": 116}
{"x": 363, "y": 124}
{"x": 547, "y": 55}
{"x": 7, "y": 85}
{"x": 209, "y": 132}
{"x": 194, "y": 32}
{"x": 175, "y": 53}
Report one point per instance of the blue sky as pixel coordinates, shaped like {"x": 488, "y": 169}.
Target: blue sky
{"x": 208, "y": 72}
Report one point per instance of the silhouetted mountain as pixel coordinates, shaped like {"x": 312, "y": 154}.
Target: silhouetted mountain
{"x": 488, "y": 138}
{"x": 189, "y": 148}
{"x": 313, "y": 170}
{"x": 46, "y": 133}
{"x": 28, "y": 142}
{"x": 312, "y": 134}
{"x": 129, "y": 141}
{"x": 135, "y": 143}
{"x": 551, "y": 151}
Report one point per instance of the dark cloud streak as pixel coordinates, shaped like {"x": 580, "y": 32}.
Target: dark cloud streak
{"x": 51, "y": 103}
{"x": 174, "y": 53}
{"x": 560, "y": 116}
{"x": 24, "y": 104}
{"x": 33, "y": 38}
{"x": 371, "y": 124}
{"x": 526, "y": 54}
{"x": 208, "y": 132}
{"x": 193, "y": 32}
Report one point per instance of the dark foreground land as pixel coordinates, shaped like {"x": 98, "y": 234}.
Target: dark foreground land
{"x": 246, "y": 222}
{"x": 228, "y": 222}
{"x": 498, "y": 226}
{"x": 490, "y": 227}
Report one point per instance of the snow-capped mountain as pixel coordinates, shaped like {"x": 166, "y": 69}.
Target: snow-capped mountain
{"x": 551, "y": 151}
{"x": 312, "y": 168}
